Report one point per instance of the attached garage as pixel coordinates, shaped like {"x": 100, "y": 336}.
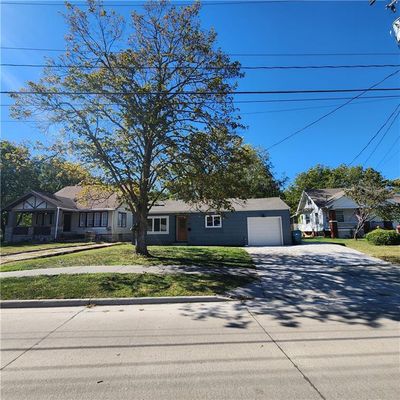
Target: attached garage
{"x": 264, "y": 231}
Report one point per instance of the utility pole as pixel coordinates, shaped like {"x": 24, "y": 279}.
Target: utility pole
{"x": 392, "y": 6}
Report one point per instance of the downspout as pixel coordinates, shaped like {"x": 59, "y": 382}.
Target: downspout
{"x": 57, "y": 218}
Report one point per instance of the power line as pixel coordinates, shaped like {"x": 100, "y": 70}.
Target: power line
{"x": 374, "y": 135}
{"x": 332, "y": 111}
{"x": 237, "y": 54}
{"x": 383, "y": 136}
{"x": 392, "y": 97}
{"x": 390, "y": 158}
{"x": 242, "y": 92}
{"x": 390, "y": 149}
{"x": 256, "y": 67}
{"x": 304, "y": 108}
{"x": 240, "y": 113}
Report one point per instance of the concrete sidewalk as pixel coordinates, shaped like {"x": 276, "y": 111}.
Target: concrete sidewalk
{"x": 131, "y": 269}
{"x": 57, "y": 251}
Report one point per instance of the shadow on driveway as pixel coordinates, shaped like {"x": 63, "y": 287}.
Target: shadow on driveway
{"x": 304, "y": 282}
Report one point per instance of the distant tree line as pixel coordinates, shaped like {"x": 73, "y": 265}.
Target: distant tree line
{"x": 22, "y": 171}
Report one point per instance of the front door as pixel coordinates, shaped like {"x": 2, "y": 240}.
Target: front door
{"x": 67, "y": 222}
{"x": 181, "y": 228}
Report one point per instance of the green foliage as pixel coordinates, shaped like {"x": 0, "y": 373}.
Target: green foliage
{"x": 152, "y": 105}
{"x": 373, "y": 195}
{"x": 323, "y": 177}
{"x": 21, "y": 172}
{"x": 381, "y": 237}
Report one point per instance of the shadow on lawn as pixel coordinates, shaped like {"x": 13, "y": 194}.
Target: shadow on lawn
{"x": 203, "y": 257}
{"x": 341, "y": 287}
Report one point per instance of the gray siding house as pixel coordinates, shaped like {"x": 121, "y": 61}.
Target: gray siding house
{"x": 255, "y": 222}
{"x": 39, "y": 216}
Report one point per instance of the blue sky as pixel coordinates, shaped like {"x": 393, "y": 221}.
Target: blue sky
{"x": 294, "y": 27}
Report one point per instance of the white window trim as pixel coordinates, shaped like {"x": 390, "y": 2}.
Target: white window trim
{"x": 158, "y": 217}
{"x": 213, "y": 217}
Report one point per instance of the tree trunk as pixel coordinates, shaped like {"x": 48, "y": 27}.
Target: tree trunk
{"x": 141, "y": 229}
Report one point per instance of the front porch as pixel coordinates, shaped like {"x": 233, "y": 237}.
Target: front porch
{"x": 37, "y": 225}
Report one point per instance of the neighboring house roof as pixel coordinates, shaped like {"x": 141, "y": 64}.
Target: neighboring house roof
{"x": 323, "y": 197}
{"x": 68, "y": 199}
{"x": 178, "y": 206}
{"x": 88, "y": 199}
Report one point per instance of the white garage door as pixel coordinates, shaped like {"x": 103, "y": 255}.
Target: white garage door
{"x": 264, "y": 231}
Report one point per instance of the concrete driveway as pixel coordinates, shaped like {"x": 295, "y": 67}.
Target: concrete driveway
{"x": 325, "y": 281}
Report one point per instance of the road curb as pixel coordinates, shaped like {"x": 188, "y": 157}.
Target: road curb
{"x": 110, "y": 301}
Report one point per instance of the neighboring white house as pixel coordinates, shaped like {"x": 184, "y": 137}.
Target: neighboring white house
{"x": 325, "y": 211}
{"x": 40, "y": 216}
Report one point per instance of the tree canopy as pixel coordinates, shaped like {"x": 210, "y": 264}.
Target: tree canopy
{"x": 21, "y": 171}
{"x": 373, "y": 194}
{"x": 148, "y": 102}
{"x": 323, "y": 177}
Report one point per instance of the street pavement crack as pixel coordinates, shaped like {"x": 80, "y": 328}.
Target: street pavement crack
{"x": 307, "y": 379}
{"x": 43, "y": 338}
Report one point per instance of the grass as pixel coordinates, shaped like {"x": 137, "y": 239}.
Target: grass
{"x": 117, "y": 285}
{"x": 207, "y": 256}
{"x": 386, "y": 253}
{"x": 7, "y": 249}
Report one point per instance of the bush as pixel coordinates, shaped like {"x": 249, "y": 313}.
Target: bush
{"x": 381, "y": 237}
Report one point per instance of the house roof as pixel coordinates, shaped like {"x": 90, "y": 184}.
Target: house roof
{"x": 68, "y": 199}
{"x": 322, "y": 197}
{"x": 178, "y": 206}
{"x": 90, "y": 199}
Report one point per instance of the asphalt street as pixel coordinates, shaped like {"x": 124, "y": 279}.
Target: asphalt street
{"x": 194, "y": 351}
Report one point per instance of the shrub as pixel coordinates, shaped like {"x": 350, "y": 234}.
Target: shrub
{"x": 381, "y": 237}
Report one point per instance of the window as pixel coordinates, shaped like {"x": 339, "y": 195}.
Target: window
{"x": 104, "y": 218}
{"x": 40, "y": 219}
{"x": 82, "y": 220}
{"x": 44, "y": 218}
{"x": 158, "y": 225}
{"x": 89, "y": 219}
{"x": 96, "y": 219}
{"x": 307, "y": 218}
{"x": 213, "y": 221}
{"x": 316, "y": 219}
{"x": 339, "y": 216}
{"x": 122, "y": 219}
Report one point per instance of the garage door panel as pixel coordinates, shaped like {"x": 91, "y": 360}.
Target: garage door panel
{"x": 264, "y": 231}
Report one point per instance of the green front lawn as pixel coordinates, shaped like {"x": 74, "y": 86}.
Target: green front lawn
{"x": 117, "y": 285}
{"x": 207, "y": 256}
{"x": 7, "y": 249}
{"x": 386, "y": 253}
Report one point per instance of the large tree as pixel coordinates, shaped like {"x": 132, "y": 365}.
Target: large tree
{"x": 373, "y": 195}
{"x": 148, "y": 104}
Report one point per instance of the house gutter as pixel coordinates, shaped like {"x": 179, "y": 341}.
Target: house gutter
{"x": 57, "y": 218}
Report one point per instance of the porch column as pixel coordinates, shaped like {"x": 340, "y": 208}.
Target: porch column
{"x": 11, "y": 222}
{"x": 333, "y": 224}
{"x": 56, "y": 227}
